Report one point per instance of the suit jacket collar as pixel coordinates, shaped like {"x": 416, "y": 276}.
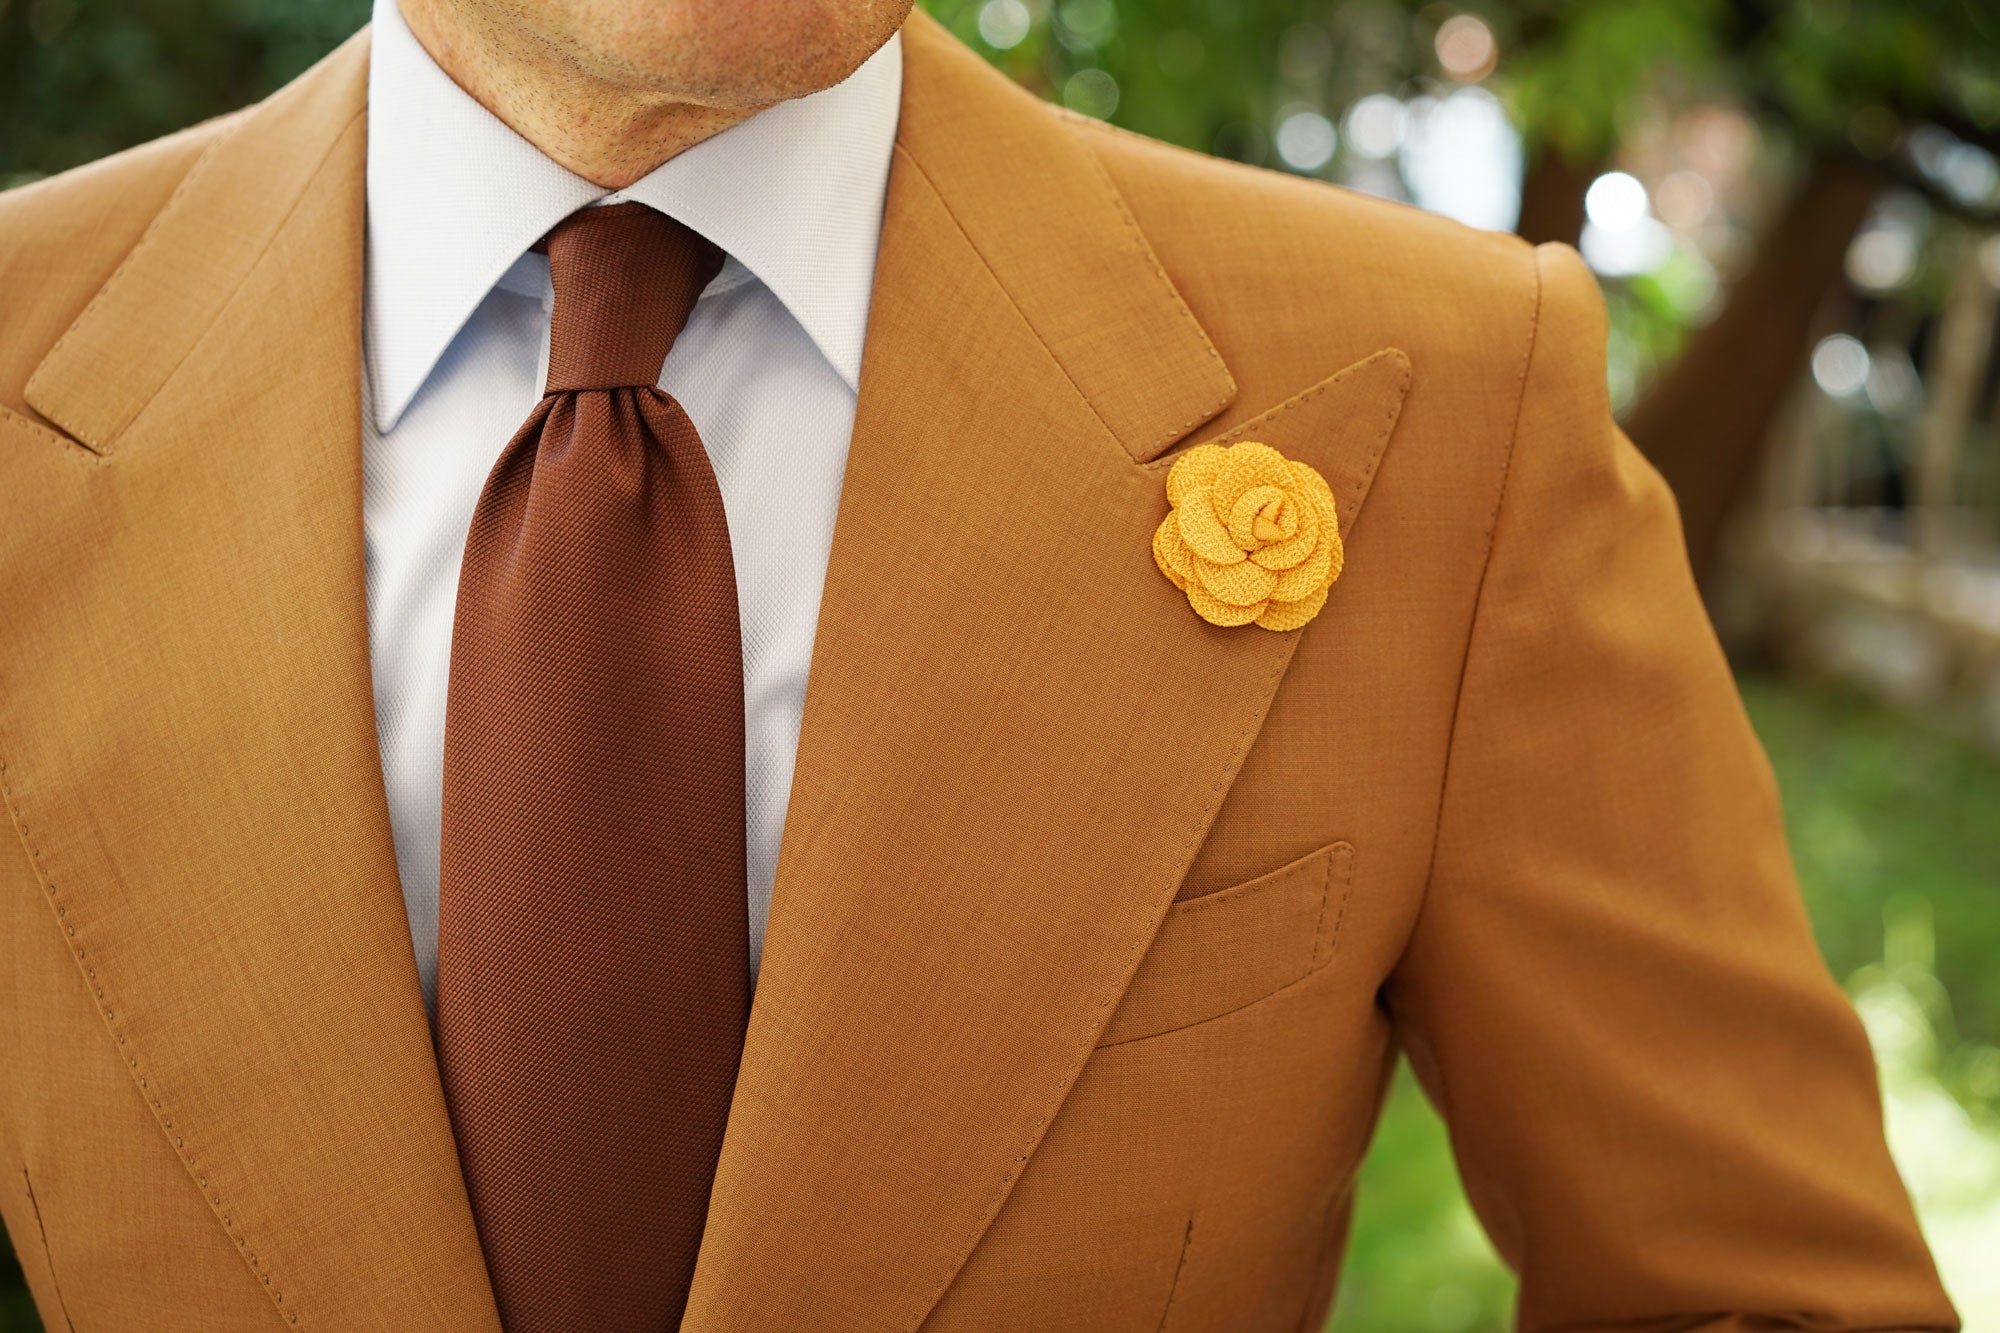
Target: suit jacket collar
{"x": 1015, "y": 735}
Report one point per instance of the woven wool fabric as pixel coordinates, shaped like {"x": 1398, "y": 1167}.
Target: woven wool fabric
{"x": 593, "y": 973}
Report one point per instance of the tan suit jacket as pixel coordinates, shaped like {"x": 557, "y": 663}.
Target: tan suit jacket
{"x": 1097, "y": 927}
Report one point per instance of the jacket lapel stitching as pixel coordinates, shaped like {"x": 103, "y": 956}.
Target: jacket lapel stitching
{"x": 1164, "y": 903}
{"x": 151, "y": 1095}
{"x": 1373, "y": 445}
{"x": 37, "y": 388}
{"x": 72, "y": 448}
{"x": 909, "y": 159}
{"x": 1180, "y": 304}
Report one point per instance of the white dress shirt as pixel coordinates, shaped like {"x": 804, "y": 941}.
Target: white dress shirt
{"x": 455, "y": 338}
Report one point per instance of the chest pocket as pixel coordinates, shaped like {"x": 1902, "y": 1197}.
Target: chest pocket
{"x": 1219, "y": 952}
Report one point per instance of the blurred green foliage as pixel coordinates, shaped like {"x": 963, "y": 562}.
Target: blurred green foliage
{"x": 1417, "y": 1259}
{"x": 1827, "y": 59}
{"x": 83, "y": 78}
{"x": 1886, "y": 817}
{"x": 1209, "y": 74}
{"x": 1578, "y": 82}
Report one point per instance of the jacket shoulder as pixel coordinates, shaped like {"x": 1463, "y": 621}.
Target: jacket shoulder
{"x": 1289, "y": 275}
{"x": 62, "y": 238}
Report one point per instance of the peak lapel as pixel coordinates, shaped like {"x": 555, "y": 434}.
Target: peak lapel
{"x": 1017, "y": 731}
{"x": 190, "y": 733}
{"x": 1340, "y": 425}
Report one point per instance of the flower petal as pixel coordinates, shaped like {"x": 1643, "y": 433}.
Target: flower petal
{"x": 1192, "y": 471}
{"x": 1291, "y": 615}
{"x": 1310, "y": 482}
{"x": 1245, "y": 465}
{"x": 1220, "y": 613}
{"x": 1318, "y": 570}
{"x": 1251, "y": 537}
{"x": 1171, "y": 554}
{"x": 1204, "y": 531}
{"x": 1240, "y": 584}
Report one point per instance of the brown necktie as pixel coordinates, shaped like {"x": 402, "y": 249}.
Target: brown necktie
{"x": 593, "y": 967}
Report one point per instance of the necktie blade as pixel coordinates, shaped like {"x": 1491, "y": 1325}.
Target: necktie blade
{"x": 593, "y": 973}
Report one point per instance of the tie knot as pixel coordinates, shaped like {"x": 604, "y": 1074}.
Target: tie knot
{"x": 626, "y": 277}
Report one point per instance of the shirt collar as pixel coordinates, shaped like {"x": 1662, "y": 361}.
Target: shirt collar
{"x": 793, "y": 195}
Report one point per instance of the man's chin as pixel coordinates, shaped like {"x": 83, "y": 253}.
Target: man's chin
{"x": 737, "y": 56}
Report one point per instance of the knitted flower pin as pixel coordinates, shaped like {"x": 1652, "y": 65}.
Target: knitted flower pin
{"x": 1252, "y": 536}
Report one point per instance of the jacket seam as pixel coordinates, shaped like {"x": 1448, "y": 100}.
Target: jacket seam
{"x": 48, "y": 1259}
{"x": 206, "y": 160}
{"x": 1272, "y": 416}
{"x": 1012, "y": 304}
{"x": 1174, "y": 1287}
{"x": 196, "y": 169}
{"x": 71, "y": 447}
{"x": 1276, "y": 993}
{"x": 1053, "y": 1099}
{"x": 1443, "y": 1091}
{"x": 161, "y": 1114}
{"x": 1187, "y": 315}
{"x": 1332, "y": 948}
{"x": 1479, "y": 594}
{"x": 1257, "y": 886}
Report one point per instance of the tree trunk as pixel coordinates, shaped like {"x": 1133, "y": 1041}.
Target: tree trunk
{"x": 1705, "y": 421}
{"x": 1552, "y": 198}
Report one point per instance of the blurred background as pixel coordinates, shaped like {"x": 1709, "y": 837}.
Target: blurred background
{"x": 1794, "y": 209}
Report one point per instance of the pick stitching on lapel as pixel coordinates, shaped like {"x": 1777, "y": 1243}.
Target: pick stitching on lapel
{"x": 168, "y": 292}
{"x": 1342, "y": 425}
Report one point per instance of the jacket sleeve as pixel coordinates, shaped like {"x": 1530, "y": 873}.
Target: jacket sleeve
{"x": 1663, "y": 1108}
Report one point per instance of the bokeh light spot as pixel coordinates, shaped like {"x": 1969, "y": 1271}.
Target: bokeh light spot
{"x": 1306, "y": 140}
{"x": 1616, "y": 201}
{"x": 1881, "y": 259}
{"x": 1462, "y": 157}
{"x": 1004, "y": 24}
{"x": 1684, "y": 199}
{"x": 1375, "y": 126}
{"x": 1087, "y": 24}
{"x": 1840, "y": 365}
{"x": 1626, "y": 252}
{"x": 1466, "y": 49}
{"x": 1092, "y": 92}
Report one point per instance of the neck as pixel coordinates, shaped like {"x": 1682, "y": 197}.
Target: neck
{"x": 609, "y": 133}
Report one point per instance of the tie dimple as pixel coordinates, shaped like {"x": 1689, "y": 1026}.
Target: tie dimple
{"x": 626, "y": 279}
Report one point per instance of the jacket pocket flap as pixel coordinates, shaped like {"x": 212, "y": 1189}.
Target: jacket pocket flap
{"x": 1219, "y": 952}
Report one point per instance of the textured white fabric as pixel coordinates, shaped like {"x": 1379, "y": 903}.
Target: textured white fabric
{"x": 455, "y": 338}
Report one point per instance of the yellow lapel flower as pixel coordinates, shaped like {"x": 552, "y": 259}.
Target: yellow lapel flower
{"x": 1251, "y": 536}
